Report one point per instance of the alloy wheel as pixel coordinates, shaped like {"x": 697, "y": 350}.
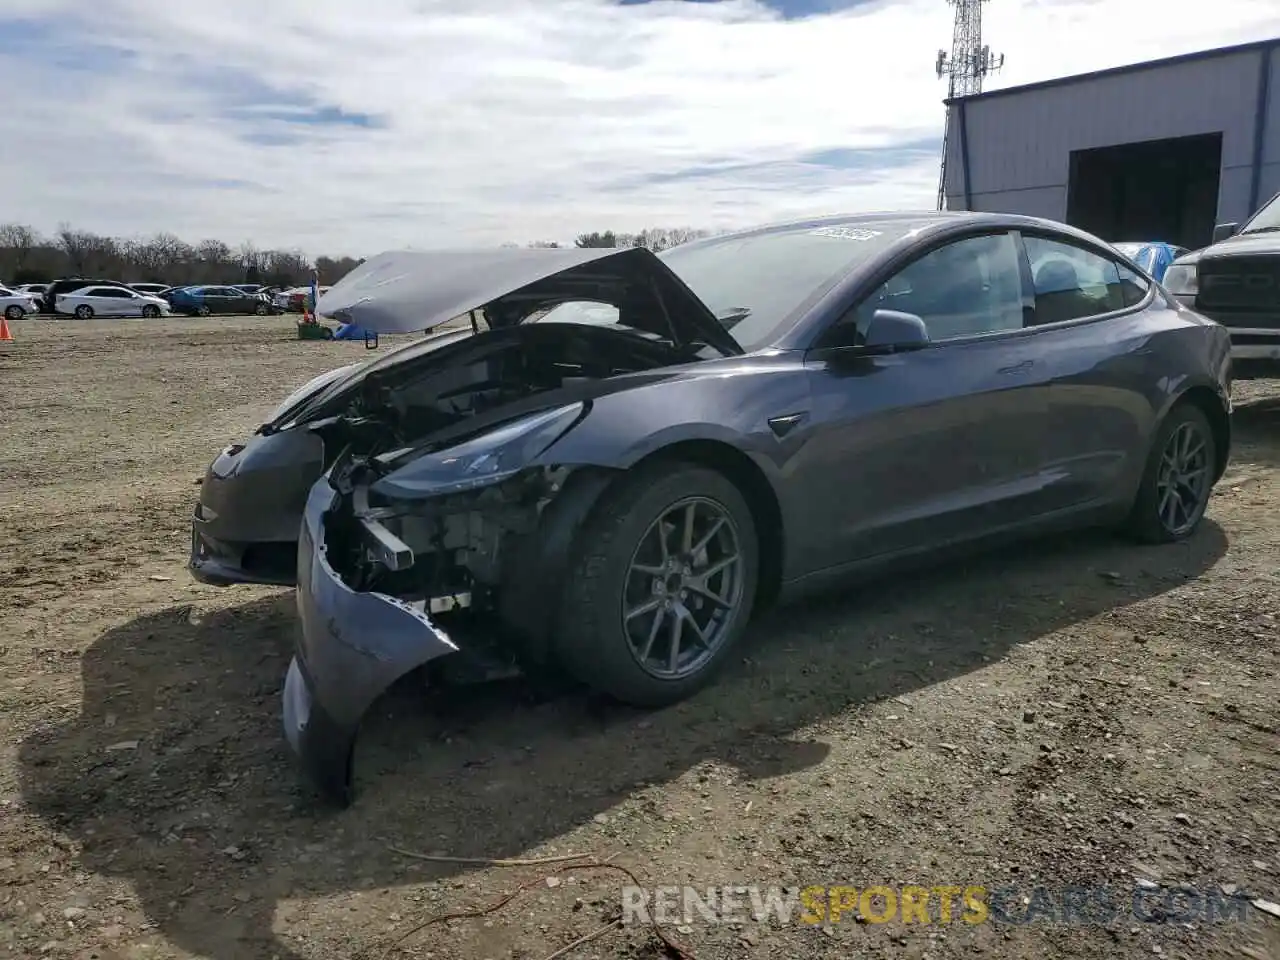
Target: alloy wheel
{"x": 1182, "y": 483}
{"x": 683, "y": 588}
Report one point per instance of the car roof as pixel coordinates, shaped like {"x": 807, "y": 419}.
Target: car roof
{"x": 953, "y": 219}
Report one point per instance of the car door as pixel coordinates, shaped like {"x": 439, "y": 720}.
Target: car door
{"x": 116, "y": 302}
{"x": 1095, "y": 329}
{"x": 102, "y": 305}
{"x": 917, "y": 449}
{"x": 128, "y": 303}
{"x": 215, "y": 298}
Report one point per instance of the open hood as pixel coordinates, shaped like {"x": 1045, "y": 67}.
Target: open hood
{"x": 409, "y": 291}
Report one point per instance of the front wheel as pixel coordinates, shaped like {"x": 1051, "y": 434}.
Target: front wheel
{"x": 663, "y": 586}
{"x": 1178, "y": 479}
{"x": 84, "y": 312}
{"x": 14, "y": 312}
{"x": 202, "y": 311}
{"x": 261, "y": 309}
{"x": 150, "y": 311}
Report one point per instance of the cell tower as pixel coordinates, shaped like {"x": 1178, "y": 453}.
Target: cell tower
{"x": 965, "y": 68}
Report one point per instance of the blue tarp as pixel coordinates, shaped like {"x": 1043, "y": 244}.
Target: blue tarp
{"x": 349, "y": 331}
{"x": 1152, "y": 257}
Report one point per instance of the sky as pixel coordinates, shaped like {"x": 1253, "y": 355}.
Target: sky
{"x": 352, "y": 126}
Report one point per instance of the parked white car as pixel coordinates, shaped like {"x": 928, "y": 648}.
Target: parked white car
{"x": 33, "y": 290}
{"x": 110, "y": 302}
{"x": 15, "y": 304}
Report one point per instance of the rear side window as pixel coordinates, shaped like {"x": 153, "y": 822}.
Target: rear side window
{"x": 1072, "y": 283}
{"x": 1133, "y": 288}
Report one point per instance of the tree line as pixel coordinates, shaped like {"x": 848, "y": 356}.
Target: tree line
{"x": 655, "y": 238}
{"x": 27, "y": 256}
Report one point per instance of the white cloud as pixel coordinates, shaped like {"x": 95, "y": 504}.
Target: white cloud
{"x": 511, "y": 119}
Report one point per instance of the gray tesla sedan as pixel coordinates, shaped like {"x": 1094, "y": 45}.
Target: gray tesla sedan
{"x": 623, "y": 455}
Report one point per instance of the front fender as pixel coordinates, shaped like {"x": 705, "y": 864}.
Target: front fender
{"x": 352, "y": 648}
{"x": 733, "y": 408}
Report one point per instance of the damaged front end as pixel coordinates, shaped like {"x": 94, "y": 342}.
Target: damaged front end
{"x": 424, "y": 558}
{"x": 439, "y": 537}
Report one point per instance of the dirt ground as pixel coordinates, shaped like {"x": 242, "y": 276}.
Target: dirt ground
{"x": 1077, "y": 712}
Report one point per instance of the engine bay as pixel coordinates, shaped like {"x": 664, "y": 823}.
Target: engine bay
{"x": 455, "y": 553}
{"x": 494, "y": 370}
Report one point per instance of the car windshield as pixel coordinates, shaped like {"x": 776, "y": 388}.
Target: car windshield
{"x": 1266, "y": 220}
{"x": 755, "y": 284}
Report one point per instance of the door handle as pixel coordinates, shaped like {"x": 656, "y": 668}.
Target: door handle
{"x": 1022, "y": 367}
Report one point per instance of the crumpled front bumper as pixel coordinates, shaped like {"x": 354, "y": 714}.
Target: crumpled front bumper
{"x": 244, "y": 529}
{"x": 352, "y": 647}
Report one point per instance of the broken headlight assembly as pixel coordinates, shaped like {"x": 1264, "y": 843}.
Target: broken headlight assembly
{"x": 490, "y": 458}
{"x": 455, "y": 502}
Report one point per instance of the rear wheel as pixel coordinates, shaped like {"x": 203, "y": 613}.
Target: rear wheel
{"x": 14, "y": 312}
{"x": 1178, "y": 479}
{"x": 663, "y": 586}
{"x": 202, "y": 311}
{"x": 84, "y": 312}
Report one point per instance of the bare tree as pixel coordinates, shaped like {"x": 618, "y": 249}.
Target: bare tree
{"x": 16, "y": 243}
{"x": 213, "y": 259}
{"x": 78, "y": 245}
{"x": 597, "y": 239}
{"x": 664, "y": 238}
{"x": 250, "y": 259}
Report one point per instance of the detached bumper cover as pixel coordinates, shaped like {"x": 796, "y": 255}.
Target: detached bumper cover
{"x": 353, "y": 646}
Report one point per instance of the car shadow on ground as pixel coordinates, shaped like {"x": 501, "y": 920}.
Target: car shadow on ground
{"x": 205, "y": 817}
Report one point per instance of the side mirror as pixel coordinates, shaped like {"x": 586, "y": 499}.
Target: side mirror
{"x": 892, "y": 331}
{"x": 1224, "y": 231}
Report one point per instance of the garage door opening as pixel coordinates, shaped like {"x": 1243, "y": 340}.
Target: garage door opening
{"x": 1154, "y": 190}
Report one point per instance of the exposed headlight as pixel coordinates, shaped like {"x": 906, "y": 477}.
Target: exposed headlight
{"x": 1181, "y": 280}
{"x": 484, "y": 460}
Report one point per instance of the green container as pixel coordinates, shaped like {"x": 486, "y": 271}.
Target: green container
{"x": 314, "y": 331}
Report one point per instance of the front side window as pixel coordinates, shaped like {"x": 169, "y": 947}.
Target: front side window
{"x": 968, "y": 287}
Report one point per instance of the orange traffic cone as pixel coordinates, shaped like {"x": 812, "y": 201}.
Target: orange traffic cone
{"x": 5, "y": 334}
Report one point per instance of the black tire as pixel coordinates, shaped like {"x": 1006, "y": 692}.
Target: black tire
{"x": 203, "y": 311}
{"x": 261, "y": 310}
{"x": 14, "y": 312}
{"x": 1147, "y": 522}
{"x": 84, "y": 312}
{"x": 150, "y": 312}
{"x": 591, "y": 639}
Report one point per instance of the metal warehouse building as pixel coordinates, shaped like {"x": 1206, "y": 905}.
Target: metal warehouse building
{"x": 1161, "y": 150}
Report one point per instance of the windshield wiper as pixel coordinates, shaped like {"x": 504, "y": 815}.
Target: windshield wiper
{"x": 1274, "y": 229}
{"x": 732, "y": 316}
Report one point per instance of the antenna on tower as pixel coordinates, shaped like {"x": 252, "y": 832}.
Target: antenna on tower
{"x": 965, "y": 68}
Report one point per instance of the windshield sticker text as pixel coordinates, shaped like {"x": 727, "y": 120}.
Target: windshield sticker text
{"x": 844, "y": 233}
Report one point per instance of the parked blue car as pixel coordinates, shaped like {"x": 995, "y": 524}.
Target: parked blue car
{"x": 201, "y": 301}
{"x": 1152, "y": 256}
